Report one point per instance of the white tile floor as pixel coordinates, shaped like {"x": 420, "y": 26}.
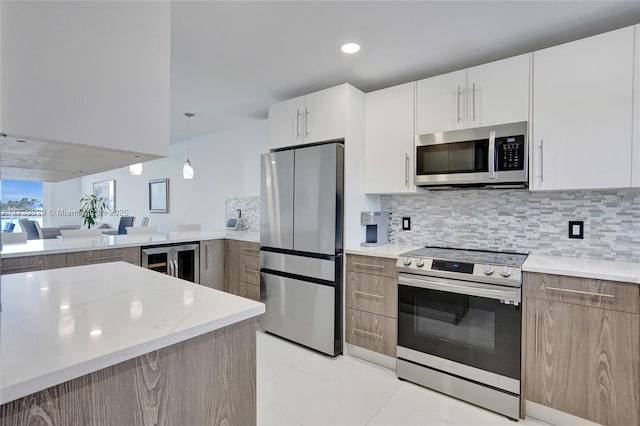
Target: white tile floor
{"x": 297, "y": 386}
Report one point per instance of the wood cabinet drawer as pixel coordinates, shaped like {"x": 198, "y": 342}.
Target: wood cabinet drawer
{"x": 372, "y": 265}
{"x": 15, "y": 265}
{"x": 249, "y": 248}
{"x": 92, "y": 257}
{"x": 583, "y": 291}
{"x": 370, "y": 331}
{"x": 372, "y": 293}
{"x": 249, "y": 269}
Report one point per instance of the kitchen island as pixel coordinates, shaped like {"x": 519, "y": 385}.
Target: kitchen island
{"x": 118, "y": 344}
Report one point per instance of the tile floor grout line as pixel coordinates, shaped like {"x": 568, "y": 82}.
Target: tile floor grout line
{"x": 384, "y": 403}
{"x": 280, "y": 412}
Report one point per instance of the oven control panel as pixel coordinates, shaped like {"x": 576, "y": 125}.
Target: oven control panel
{"x": 485, "y": 273}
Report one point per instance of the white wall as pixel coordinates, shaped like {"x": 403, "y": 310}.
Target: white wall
{"x": 60, "y": 198}
{"x": 94, "y": 73}
{"x": 226, "y": 164}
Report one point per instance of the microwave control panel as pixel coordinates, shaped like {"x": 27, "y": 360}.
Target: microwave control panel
{"x": 510, "y": 153}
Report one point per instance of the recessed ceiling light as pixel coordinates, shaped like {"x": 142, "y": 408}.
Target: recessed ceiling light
{"x": 350, "y": 47}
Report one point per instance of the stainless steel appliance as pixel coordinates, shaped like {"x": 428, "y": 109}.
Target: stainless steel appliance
{"x": 459, "y": 324}
{"x": 484, "y": 156}
{"x": 301, "y": 245}
{"x": 376, "y": 228}
{"x": 178, "y": 260}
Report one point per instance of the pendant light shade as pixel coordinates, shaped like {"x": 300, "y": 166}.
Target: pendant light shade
{"x": 187, "y": 169}
{"x": 135, "y": 169}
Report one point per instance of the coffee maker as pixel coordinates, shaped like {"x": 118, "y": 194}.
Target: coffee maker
{"x": 376, "y": 228}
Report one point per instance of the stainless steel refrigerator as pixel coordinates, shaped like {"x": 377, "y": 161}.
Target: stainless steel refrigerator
{"x": 301, "y": 218}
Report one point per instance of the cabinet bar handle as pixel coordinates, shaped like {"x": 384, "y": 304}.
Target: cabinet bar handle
{"x": 541, "y": 161}
{"x": 536, "y": 333}
{"x": 12, "y": 268}
{"x": 297, "y": 123}
{"x": 366, "y": 265}
{"x": 251, "y": 271}
{"x": 366, "y": 333}
{"x": 362, "y": 293}
{"x": 93, "y": 259}
{"x": 206, "y": 257}
{"x": 170, "y": 264}
{"x": 306, "y": 122}
{"x": 406, "y": 169}
{"x": 250, "y": 250}
{"x": 588, "y": 293}
{"x": 458, "y": 106}
{"x": 473, "y": 102}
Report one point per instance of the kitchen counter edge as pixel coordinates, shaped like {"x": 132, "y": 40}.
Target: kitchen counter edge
{"x": 628, "y": 272}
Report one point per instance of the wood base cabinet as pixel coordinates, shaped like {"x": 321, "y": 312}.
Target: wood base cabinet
{"x": 212, "y": 264}
{"x": 14, "y": 265}
{"x": 241, "y": 268}
{"x": 372, "y": 303}
{"x": 580, "y": 358}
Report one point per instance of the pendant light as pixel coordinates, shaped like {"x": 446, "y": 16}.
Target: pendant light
{"x": 187, "y": 170}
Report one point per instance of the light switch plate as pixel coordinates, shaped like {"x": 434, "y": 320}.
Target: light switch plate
{"x": 576, "y": 229}
{"x": 406, "y": 223}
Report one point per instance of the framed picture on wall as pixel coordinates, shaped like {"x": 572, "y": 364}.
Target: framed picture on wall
{"x": 159, "y": 196}
{"x": 107, "y": 190}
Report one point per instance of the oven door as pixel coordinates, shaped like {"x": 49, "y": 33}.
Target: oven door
{"x": 471, "y": 330}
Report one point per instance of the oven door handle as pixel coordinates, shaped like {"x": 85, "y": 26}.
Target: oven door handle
{"x": 512, "y": 296}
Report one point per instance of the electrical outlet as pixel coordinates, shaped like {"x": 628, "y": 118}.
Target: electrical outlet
{"x": 576, "y": 229}
{"x": 406, "y": 223}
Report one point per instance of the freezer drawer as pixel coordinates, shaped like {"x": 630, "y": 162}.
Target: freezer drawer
{"x": 302, "y": 311}
{"x": 322, "y": 269}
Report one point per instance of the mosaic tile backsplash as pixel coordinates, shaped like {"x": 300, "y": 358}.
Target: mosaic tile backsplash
{"x": 523, "y": 221}
{"x": 250, "y": 207}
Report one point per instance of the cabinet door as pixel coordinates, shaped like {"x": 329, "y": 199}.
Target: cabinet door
{"x": 389, "y": 140}
{"x": 232, "y": 266}
{"x": 286, "y": 123}
{"x": 440, "y": 103}
{"x": 212, "y": 264}
{"x": 583, "y": 361}
{"x": 498, "y": 92}
{"x": 14, "y": 265}
{"x": 582, "y": 113}
{"x": 325, "y": 114}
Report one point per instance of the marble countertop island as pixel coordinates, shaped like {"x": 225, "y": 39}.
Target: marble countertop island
{"x": 70, "y": 245}
{"x": 60, "y": 324}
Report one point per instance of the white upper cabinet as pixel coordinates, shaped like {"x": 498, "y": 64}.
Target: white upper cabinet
{"x": 582, "y": 113}
{"x": 319, "y": 116}
{"x": 498, "y": 92}
{"x": 389, "y": 140}
{"x": 489, "y": 94}
{"x": 440, "y": 103}
{"x": 286, "y": 125}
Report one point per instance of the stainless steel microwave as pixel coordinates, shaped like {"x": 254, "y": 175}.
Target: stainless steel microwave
{"x": 484, "y": 156}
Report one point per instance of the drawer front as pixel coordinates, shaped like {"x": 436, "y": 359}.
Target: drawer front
{"x": 372, "y": 265}
{"x": 249, "y": 269}
{"x": 16, "y": 265}
{"x": 92, "y": 257}
{"x": 252, "y": 292}
{"x": 248, "y": 248}
{"x": 372, "y": 293}
{"x": 370, "y": 331}
{"x": 583, "y": 291}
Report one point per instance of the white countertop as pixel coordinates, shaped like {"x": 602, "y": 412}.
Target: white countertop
{"x": 60, "y": 324}
{"x": 385, "y": 250}
{"x": 585, "y": 268}
{"x": 69, "y": 245}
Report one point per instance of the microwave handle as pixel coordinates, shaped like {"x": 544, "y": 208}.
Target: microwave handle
{"x": 492, "y": 154}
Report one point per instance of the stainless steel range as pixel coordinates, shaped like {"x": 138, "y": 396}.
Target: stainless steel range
{"x": 459, "y": 324}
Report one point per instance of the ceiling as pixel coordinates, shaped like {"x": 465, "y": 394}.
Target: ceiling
{"x": 231, "y": 60}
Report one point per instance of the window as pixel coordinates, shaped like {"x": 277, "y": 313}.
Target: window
{"x": 20, "y": 199}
